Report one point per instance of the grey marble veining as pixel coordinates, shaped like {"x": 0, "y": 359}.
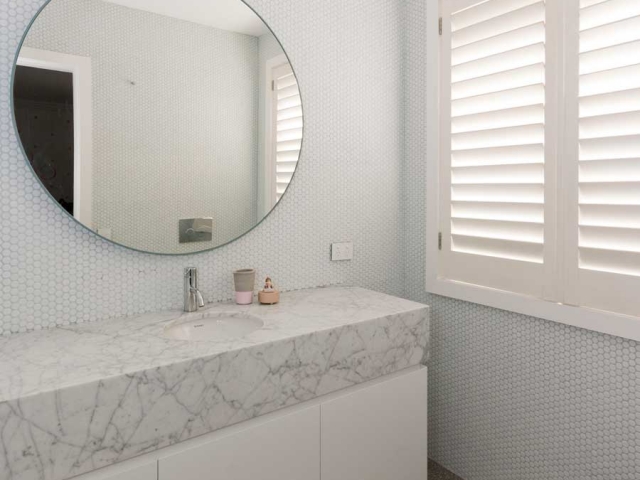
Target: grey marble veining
{"x": 79, "y": 398}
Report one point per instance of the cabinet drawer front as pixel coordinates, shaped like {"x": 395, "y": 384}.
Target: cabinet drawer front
{"x": 377, "y": 433}
{"x": 286, "y": 448}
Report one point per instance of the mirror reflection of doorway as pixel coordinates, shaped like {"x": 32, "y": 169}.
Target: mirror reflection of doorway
{"x": 52, "y": 94}
{"x": 44, "y": 116}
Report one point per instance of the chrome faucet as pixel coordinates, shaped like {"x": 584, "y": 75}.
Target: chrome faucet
{"x": 192, "y": 296}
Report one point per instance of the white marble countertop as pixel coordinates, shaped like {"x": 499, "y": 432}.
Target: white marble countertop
{"x": 78, "y": 398}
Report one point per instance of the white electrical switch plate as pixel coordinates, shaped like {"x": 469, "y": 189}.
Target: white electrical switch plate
{"x": 341, "y": 251}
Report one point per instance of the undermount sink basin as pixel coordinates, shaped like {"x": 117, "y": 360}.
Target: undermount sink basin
{"x": 205, "y": 327}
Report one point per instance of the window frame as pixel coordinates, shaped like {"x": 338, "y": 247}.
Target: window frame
{"x": 625, "y": 326}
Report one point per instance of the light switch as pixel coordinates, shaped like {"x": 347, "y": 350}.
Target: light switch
{"x": 341, "y": 251}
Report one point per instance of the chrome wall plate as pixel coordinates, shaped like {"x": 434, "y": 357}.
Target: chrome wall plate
{"x": 195, "y": 230}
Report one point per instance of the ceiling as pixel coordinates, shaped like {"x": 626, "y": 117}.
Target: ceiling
{"x": 232, "y": 15}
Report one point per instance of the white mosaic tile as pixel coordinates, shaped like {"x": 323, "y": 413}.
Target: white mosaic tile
{"x": 512, "y": 397}
{"x": 54, "y": 272}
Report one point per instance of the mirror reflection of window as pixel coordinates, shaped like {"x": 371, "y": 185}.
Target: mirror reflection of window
{"x": 286, "y": 134}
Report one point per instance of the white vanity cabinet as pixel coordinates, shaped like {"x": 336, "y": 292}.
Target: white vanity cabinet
{"x": 374, "y": 431}
{"x": 285, "y": 448}
{"x": 377, "y": 432}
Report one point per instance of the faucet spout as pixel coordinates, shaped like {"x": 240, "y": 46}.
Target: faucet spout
{"x": 193, "y": 299}
{"x": 199, "y": 298}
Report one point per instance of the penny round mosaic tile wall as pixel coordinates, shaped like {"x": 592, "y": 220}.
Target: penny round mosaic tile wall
{"x": 54, "y": 272}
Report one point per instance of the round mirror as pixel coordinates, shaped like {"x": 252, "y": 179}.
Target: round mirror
{"x": 164, "y": 126}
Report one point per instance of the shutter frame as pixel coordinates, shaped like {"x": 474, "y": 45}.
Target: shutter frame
{"x": 591, "y": 318}
{"x": 523, "y": 267}
{"x": 603, "y": 206}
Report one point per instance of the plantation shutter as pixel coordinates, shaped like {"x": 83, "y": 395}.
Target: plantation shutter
{"x": 497, "y": 172}
{"x": 287, "y": 117}
{"x": 604, "y": 241}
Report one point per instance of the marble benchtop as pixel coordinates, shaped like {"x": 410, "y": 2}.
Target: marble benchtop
{"x": 74, "y": 399}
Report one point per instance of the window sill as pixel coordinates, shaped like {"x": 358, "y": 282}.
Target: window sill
{"x": 590, "y": 319}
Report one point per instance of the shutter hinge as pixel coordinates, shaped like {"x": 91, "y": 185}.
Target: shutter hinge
{"x": 439, "y": 240}
{"x": 440, "y": 25}
{"x": 273, "y": 85}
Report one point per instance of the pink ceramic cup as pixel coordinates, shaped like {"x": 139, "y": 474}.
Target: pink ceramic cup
{"x": 244, "y": 298}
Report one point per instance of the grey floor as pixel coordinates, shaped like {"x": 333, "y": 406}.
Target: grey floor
{"x": 437, "y": 472}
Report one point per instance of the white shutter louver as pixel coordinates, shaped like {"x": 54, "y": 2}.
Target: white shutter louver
{"x": 538, "y": 181}
{"x": 608, "y": 123}
{"x": 494, "y": 143}
{"x": 287, "y": 117}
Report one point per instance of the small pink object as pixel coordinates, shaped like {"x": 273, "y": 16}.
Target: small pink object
{"x": 244, "y": 298}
